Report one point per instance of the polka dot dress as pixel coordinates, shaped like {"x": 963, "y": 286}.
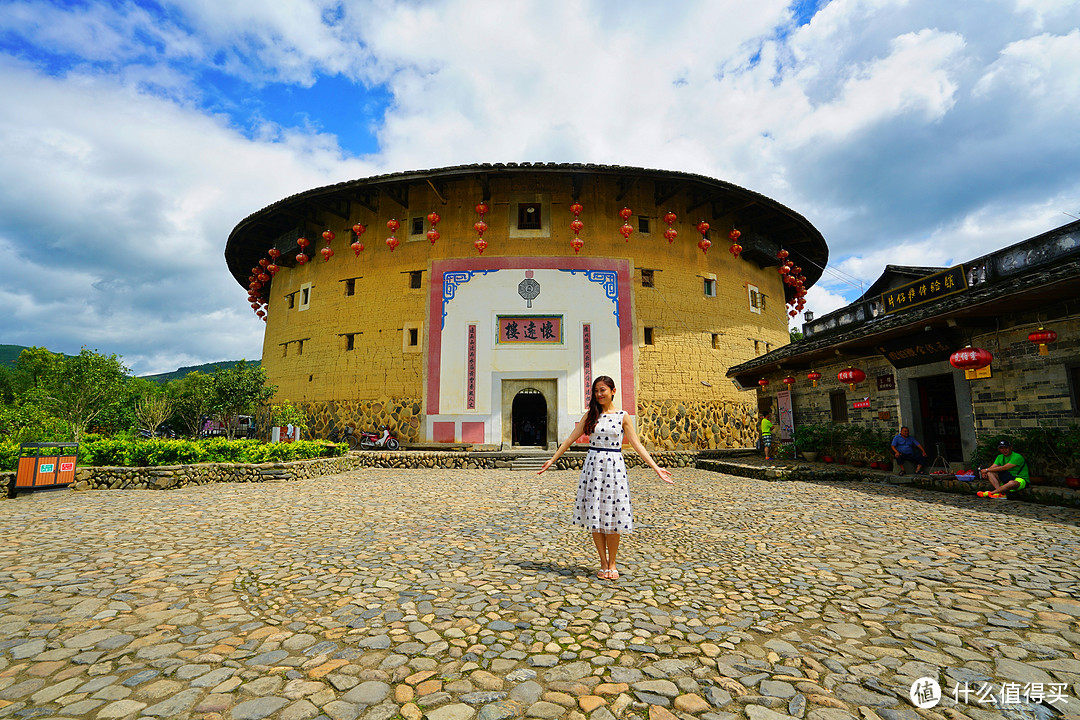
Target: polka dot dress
{"x": 603, "y": 497}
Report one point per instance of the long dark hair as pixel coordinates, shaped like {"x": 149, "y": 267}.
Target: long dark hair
{"x": 594, "y": 406}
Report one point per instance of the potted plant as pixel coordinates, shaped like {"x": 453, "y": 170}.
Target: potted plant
{"x": 811, "y": 439}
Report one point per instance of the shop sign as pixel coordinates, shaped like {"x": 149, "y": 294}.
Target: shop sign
{"x": 530, "y": 329}
{"x": 932, "y": 287}
{"x": 925, "y": 347}
{"x": 863, "y": 404}
{"x": 886, "y": 382}
{"x": 983, "y": 372}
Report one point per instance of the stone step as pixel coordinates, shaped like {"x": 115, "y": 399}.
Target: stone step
{"x": 529, "y": 463}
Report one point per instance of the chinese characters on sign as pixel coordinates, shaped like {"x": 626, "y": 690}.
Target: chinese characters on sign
{"x": 863, "y": 404}
{"x": 886, "y": 382}
{"x": 534, "y": 329}
{"x": 918, "y": 349}
{"x": 586, "y": 350}
{"x": 470, "y": 390}
{"x": 922, "y": 291}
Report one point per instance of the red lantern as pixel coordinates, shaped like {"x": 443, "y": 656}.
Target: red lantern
{"x": 392, "y": 242}
{"x": 358, "y": 247}
{"x": 576, "y": 225}
{"x": 480, "y": 245}
{"x": 255, "y": 306}
{"x": 782, "y": 254}
{"x": 763, "y": 383}
{"x": 734, "y": 235}
{"x": 272, "y": 269}
{"x": 482, "y": 209}
{"x": 393, "y": 225}
{"x": 789, "y": 381}
{"x": 852, "y": 376}
{"x": 274, "y": 253}
{"x": 970, "y": 358}
{"x": 703, "y": 227}
{"x": 480, "y": 227}
{"x": 670, "y": 234}
{"x": 264, "y": 262}
{"x": 577, "y": 243}
{"x": 625, "y": 214}
{"x": 328, "y": 235}
{"x": 358, "y": 229}
{"x": 433, "y": 218}
{"x": 1042, "y": 338}
{"x": 735, "y": 249}
{"x": 302, "y": 242}
{"x": 260, "y": 313}
{"x": 576, "y": 208}
{"x": 264, "y": 278}
{"x": 705, "y": 243}
{"x": 327, "y": 253}
{"x": 626, "y": 230}
{"x": 301, "y": 259}
{"x": 813, "y": 376}
{"x": 670, "y": 218}
{"x": 432, "y": 235}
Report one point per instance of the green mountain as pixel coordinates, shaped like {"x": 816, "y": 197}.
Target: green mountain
{"x": 10, "y": 353}
{"x": 207, "y": 368}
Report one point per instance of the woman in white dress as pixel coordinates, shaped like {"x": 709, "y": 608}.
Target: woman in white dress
{"x": 603, "y": 497}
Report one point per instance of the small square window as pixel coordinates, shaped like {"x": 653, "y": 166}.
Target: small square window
{"x": 710, "y": 287}
{"x": 647, "y": 278}
{"x": 642, "y": 224}
{"x": 529, "y": 216}
{"x": 305, "y": 296}
{"x": 414, "y": 337}
{"x": 415, "y": 278}
{"x": 350, "y": 342}
{"x": 648, "y": 336}
{"x": 350, "y": 287}
{"x": 757, "y": 300}
{"x": 291, "y": 297}
{"x": 716, "y": 341}
{"x": 299, "y": 347}
{"x": 417, "y": 226}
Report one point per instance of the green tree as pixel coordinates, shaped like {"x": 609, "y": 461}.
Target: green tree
{"x": 192, "y": 399}
{"x": 83, "y": 388}
{"x": 152, "y": 408}
{"x": 33, "y": 368}
{"x": 239, "y": 390}
{"x": 794, "y": 334}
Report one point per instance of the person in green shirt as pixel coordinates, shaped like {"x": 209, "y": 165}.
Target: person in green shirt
{"x": 766, "y": 432}
{"x": 1009, "y": 472}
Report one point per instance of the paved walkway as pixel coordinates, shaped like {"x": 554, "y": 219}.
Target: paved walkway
{"x": 467, "y": 594}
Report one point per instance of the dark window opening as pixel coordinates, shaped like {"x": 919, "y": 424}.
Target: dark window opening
{"x": 350, "y": 288}
{"x": 710, "y": 287}
{"x": 292, "y": 300}
{"x": 647, "y": 278}
{"x": 643, "y": 224}
{"x": 838, "y": 404}
{"x": 648, "y": 336}
{"x": 716, "y": 341}
{"x": 350, "y": 342}
{"x": 415, "y": 278}
{"x": 299, "y": 347}
{"x": 417, "y": 226}
{"x": 305, "y": 296}
{"x": 529, "y": 216}
{"x": 414, "y": 337}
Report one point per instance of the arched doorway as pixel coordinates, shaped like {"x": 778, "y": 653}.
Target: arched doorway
{"x": 529, "y": 418}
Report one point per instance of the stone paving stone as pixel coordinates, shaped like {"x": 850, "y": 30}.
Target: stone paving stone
{"x": 738, "y": 598}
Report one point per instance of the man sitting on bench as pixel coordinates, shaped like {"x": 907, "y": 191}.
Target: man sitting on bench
{"x": 905, "y": 447}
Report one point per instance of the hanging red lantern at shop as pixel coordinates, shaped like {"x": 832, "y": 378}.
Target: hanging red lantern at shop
{"x": 813, "y": 376}
{"x": 627, "y": 229}
{"x": 303, "y": 242}
{"x": 327, "y": 253}
{"x": 392, "y": 241}
{"x": 782, "y": 255}
{"x": 433, "y": 234}
{"x": 274, "y": 253}
{"x": 789, "y": 381}
{"x": 852, "y": 376}
{"x": 393, "y": 225}
{"x": 1042, "y": 338}
{"x": 704, "y": 244}
{"x": 970, "y": 358}
{"x": 264, "y": 278}
{"x": 763, "y": 383}
{"x": 576, "y": 226}
{"x": 301, "y": 259}
{"x": 481, "y": 227}
{"x": 671, "y": 233}
{"x": 357, "y": 244}
{"x": 263, "y": 263}
{"x": 328, "y": 236}
{"x": 272, "y": 269}
{"x": 735, "y": 248}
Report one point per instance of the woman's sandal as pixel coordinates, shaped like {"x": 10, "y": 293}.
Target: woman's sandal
{"x": 613, "y": 574}
{"x": 603, "y": 574}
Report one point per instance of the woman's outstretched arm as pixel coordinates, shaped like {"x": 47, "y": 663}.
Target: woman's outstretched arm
{"x": 579, "y": 430}
{"x": 631, "y": 437}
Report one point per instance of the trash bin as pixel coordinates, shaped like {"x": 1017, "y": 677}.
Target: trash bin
{"x": 45, "y": 465}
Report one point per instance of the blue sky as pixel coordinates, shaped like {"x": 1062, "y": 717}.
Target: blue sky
{"x": 136, "y": 134}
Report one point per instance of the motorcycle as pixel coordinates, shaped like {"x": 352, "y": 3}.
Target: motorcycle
{"x": 370, "y": 440}
{"x": 347, "y": 437}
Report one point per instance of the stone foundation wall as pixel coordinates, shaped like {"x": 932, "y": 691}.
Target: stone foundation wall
{"x": 401, "y": 414}
{"x": 681, "y": 425}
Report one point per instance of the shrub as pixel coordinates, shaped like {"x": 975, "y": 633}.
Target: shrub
{"x": 9, "y": 455}
{"x": 107, "y": 452}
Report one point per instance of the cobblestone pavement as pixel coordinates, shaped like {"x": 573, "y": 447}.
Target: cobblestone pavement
{"x": 467, "y": 594}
